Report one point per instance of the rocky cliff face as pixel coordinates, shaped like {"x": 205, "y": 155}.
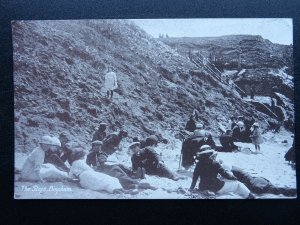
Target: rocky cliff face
{"x": 258, "y": 57}
{"x": 59, "y": 69}
{"x": 254, "y": 51}
{"x": 251, "y": 62}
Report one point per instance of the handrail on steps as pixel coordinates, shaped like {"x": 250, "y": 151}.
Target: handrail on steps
{"x": 208, "y": 67}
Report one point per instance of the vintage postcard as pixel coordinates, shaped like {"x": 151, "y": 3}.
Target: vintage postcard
{"x": 154, "y": 109}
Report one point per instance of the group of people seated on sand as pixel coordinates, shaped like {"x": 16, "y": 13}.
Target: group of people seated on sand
{"x": 69, "y": 161}
{"x": 199, "y": 147}
{"x": 59, "y": 158}
{"x": 238, "y": 130}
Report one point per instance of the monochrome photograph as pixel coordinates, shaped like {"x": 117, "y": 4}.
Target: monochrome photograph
{"x": 154, "y": 109}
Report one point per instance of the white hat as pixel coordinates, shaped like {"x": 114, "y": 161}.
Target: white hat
{"x": 46, "y": 139}
{"x": 199, "y": 125}
{"x": 210, "y": 151}
{"x": 240, "y": 124}
{"x": 97, "y": 142}
{"x": 204, "y": 147}
{"x": 255, "y": 125}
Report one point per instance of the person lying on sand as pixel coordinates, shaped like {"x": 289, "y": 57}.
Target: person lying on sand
{"x": 90, "y": 179}
{"x": 259, "y": 185}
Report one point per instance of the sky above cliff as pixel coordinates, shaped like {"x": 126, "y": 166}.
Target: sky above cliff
{"x": 276, "y": 30}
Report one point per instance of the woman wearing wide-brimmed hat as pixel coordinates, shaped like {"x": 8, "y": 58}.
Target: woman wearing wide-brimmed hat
{"x": 33, "y": 168}
{"x": 208, "y": 169}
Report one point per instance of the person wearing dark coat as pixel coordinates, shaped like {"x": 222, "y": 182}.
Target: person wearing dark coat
{"x": 209, "y": 170}
{"x": 112, "y": 141}
{"x": 91, "y": 159}
{"x": 290, "y": 155}
{"x": 151, "y": 162}
{"x": 237, "y": 131}
{"x": 191, "y": 145}
{"x": 227, "y": 143}
{"x": 191, "y": 124}
{"x": 261, "y": 185}
{"x": 100, "y": 134}
{"x": 143, "y": 143}
{"x": 152, "y": 140}
{"x": 233, "y": 122}
{"x": 54, "y": 158}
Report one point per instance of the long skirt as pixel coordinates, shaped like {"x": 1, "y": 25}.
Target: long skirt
{"x": 48, "y": 172}
{"x": 235, "y": 187}
{"x": 99, "y": 181}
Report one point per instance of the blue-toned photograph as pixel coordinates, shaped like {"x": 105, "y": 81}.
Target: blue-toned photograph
{"x": 154, "y": 109}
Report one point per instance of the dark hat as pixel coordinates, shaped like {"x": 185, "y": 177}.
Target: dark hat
{"x": 124, "y": 133}
{"x": 152, "y": 138}
{"x": 135, "y": 139}
{"x": 63, "y": 135}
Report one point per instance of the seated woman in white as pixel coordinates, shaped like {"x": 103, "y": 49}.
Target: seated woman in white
{"x": 33, "y": 168}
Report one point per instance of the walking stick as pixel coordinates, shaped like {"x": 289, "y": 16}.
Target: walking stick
{"x": 179, "y": 166}
{"x": 183, "y": 139}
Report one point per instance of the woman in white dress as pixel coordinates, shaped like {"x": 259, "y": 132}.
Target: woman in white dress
{"x": 33, "y": 168}
{"x": 110, "y": 82}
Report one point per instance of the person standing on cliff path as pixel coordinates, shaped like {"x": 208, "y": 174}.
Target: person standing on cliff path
{"x": 110, "y": 83}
